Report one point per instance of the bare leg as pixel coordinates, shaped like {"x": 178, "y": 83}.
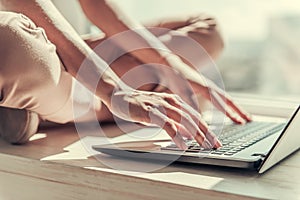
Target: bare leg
{"x": 203, "y": 28}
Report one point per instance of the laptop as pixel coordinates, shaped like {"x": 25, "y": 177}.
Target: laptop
{"x": 258, "y": 145}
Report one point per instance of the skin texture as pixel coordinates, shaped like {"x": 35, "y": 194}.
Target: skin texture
{"x": 166, "y": 110}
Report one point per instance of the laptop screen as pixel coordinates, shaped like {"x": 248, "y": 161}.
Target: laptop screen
{"x": 287, "y": 143}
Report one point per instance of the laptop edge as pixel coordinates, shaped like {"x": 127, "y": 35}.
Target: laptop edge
{"x": 287, "y": 143}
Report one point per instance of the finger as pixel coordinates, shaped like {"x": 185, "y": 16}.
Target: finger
{"x": 221, "y": 101}
{"x": 224, "y": 107}
{"x": 183, "y": 131}
{"x": 197, "y": 118}
{"x": 168, "y": 125}
{"x": 212, "y": 138}
{"x": 240, "y": 111}
{"x": 183, "y": 92}
{"x": 187, "y": 121}
{"x": 244, "y": 114}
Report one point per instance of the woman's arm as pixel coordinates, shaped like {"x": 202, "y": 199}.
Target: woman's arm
{"x": 70, "y": 47}
{"x": 107, "y": 16}
{"x": 111, "y": 20}
{"x": 165, "y": 110}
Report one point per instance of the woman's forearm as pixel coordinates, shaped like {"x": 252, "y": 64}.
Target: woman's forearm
{"x": 104, "y": 13}
{"x": 70, "y": 47}
{"x": 112, "y": 21}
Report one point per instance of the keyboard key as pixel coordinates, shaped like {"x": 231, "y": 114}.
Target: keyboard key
{"x": 228, "y": 154}
{"x": 217, "y": 153}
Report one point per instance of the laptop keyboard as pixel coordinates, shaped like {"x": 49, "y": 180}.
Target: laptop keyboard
{"x": 235, "y": 138}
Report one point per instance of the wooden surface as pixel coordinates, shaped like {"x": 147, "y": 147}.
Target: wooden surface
{"x": 56, "y": 166}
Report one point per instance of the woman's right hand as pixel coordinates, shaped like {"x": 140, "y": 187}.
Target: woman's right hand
{"x": 167, "y": 111}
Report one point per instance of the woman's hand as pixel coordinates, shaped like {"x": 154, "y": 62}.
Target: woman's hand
{"x": 221, "y": 100}
{"x": 203, "y": 30}
{"x": 165, "y": 110}
{"x": 177, "y": 83}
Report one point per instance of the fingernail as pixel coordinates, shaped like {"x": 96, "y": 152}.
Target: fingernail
{"x": 203, "y": 142}
{"x": 180, "y": 142}
{"x": 240, "y": 120}
{"x": 199, "y": 140}
{"x": 206, "y": 144}
{"x": 249, "y": 117}
{"x": 218, "y": 144}
{"x": 183, "y": 146}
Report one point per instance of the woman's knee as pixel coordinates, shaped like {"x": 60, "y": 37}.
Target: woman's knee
{"x": 207, "y": 33}
{"x": 202, "y": 28}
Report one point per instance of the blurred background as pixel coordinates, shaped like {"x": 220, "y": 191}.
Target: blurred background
{"x": 262, "y": 53}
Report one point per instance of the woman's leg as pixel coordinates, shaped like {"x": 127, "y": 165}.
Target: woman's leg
{"x": 202, "y": 28}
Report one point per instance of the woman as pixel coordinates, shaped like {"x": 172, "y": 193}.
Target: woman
{"x": 38, "y": 66}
